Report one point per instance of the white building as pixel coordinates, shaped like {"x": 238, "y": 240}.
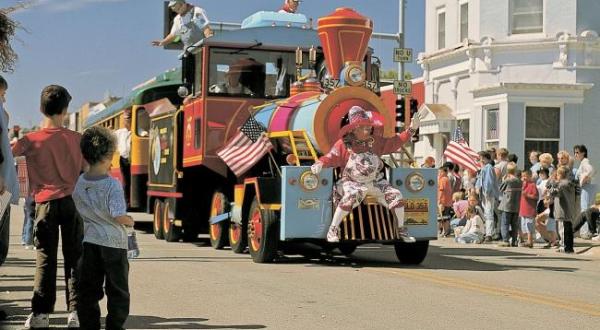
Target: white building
{"x": 520, "y": 74}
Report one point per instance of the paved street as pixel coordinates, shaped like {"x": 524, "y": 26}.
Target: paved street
{"x": 192, "y": 286}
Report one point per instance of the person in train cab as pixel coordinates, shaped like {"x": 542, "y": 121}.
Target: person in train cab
{"x": 358, "y": 153}
{"x": 290, "y": 6}
{"x": 191, "y": 25}
{"x": 232, "y": 84}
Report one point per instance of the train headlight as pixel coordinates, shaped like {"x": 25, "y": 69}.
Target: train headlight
{"x": 354, "y": 74}
{"x": 415, "y": 182}
{"x": 309, "y": 181}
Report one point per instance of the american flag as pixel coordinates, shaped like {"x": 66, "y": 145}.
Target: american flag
{"x": 458, "y": 152}
{"x": 246, "y": 148}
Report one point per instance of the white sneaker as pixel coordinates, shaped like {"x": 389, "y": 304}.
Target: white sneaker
{"x": 37, "y": 321}
{"x": 596, "y": 238}
{"x": 405, "y": 236}
{"x": 73, "y": 320}
{"x": 332, "y": 235}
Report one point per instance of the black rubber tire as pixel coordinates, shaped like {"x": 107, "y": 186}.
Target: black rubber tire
{"x": 157, "y": 219}
{"x": 171, "y": 233}
{"x": 411, "y": 253}
{"x": 347, "y": 248}
{"x": 263, "y": 250}
{"x": 239, "y": 245}
{"x": 219, "y": 232}
{"x": 4, "y": 236}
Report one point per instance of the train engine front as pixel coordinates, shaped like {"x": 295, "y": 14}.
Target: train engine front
{"x": 295, "y": 204}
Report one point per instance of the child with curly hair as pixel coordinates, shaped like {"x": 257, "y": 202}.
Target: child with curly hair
{"x": 100, "y": 200}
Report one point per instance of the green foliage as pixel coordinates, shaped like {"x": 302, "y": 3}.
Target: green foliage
{"x": 393, "y": 74}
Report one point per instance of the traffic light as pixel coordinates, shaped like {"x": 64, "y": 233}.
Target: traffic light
{"x": 400, "y": 109}
{"x": 414, "y": 107}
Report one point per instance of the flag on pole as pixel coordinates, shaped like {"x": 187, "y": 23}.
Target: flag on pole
{"x": 246, "y": 148}
{"x": 458, "y": 152}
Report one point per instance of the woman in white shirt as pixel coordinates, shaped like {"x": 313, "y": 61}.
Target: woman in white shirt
{"x": 585, "y": 174}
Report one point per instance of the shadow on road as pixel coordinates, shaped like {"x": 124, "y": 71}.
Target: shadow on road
{"x": 445, "y": 258}
{"x": 154, "y": 322}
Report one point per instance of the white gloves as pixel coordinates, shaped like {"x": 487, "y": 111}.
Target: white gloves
{"x": 416, "y": 119}
{"x": 316, "y": 167}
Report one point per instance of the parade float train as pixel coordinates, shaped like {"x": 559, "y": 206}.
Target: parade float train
{"x": 300, "y": 92}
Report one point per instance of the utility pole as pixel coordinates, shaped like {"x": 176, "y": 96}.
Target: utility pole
{"x": 401, "y": 39}
{"x": 401, "y": 44}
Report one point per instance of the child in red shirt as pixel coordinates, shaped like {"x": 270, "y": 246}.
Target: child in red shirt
{"x": 527, "y": 209}
{"x": 54, "y": 163}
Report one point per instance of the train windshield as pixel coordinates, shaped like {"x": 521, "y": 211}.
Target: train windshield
{"x": 250, "y": 73}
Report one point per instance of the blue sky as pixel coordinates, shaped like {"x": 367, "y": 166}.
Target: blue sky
{"x": 97, "y": 46}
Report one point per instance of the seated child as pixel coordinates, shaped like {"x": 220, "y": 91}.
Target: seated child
{"x": 591, "y": 216}
{"x": 358, "y": 153}
{"x": 473, "y": 230}
{"x": 545, "y": 223}
{"x": 460, "y": 206}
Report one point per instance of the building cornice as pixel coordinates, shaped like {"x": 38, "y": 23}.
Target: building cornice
{"x": 506, "y": 87}
{"x": 487, "y": 43}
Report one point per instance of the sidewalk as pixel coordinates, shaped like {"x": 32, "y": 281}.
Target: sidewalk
{"x": 584, "y": 248}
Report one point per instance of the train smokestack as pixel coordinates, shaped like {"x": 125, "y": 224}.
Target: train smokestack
{"x": 345, "y": 36}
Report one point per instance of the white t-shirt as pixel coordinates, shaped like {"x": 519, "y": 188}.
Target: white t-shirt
{"x": 123, "y": 142}
{"x": 190, "y": 26}
{"x": 585, "y": 170}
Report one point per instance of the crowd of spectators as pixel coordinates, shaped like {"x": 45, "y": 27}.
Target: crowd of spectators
{"x": 547, "y": 203}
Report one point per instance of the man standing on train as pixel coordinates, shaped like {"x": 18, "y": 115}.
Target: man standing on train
{"x": 191, "y": 24}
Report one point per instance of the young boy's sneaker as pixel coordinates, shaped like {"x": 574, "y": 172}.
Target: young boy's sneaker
{"x": 596, "y": 238}
{"x": 37, "y": 321}
{"x": 73, "y": 320}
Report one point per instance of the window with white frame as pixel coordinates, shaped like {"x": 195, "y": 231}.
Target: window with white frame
{"x": 492, "y": 127}
{"x": 542, "y": 130}
{"x": 441, "y": 29}
{"x": 464, "y": 127}
{"x": 464, "y": 21}
{"x": 526, "y": 16}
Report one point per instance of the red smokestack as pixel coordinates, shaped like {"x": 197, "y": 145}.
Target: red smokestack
{"x": 345, "y": 35}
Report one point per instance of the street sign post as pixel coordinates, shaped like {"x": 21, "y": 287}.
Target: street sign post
{"x": 402, "y": 87}
{"x": 403, "y": 55}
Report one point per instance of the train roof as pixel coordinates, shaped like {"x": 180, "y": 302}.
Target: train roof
{"x": 270, "y": 29}
{"x": 168, "y": 78}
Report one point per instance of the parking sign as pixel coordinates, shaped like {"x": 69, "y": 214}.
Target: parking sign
{"x": 402, "y": 87}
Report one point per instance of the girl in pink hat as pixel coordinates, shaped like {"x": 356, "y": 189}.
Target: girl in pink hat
{"x": 358, "y": 153}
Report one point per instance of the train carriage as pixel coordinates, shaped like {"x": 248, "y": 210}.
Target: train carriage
{"x": 299, "y": 84}
{"x": 162, "y": 86}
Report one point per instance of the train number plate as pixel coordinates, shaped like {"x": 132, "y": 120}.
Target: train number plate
{"x": 416, "y": 211}
{"x": 308, "y": 204}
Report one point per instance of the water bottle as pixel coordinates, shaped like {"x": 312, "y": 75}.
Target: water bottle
{"x": 133, "y": 251}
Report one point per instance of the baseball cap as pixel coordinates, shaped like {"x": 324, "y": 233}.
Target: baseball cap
{"x": 174, "y": 2}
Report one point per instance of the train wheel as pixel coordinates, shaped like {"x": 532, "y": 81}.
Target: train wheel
{"x": 263, "y": 233}
{"x": 411, "y": 253}
{"x": 157, "y": 221}
{"x": 238, "y": 240}
{"x": 347, "y": 248}
{"x": 218, "y": 232}
{"x": 171, "y": 232}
